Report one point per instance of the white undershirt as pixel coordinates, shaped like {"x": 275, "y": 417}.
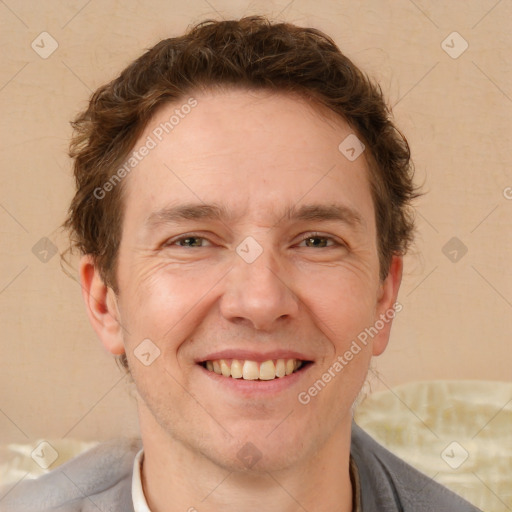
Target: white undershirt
{"x": 139, "y": 500}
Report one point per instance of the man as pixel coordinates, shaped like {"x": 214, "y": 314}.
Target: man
{"x": 242, "y": 208}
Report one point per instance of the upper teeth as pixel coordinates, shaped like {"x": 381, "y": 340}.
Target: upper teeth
{"x": 251, "y": 370}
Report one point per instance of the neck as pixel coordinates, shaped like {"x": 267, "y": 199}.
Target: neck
{"x": 177, "y": 478}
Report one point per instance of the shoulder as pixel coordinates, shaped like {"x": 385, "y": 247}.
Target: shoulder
{"x": 390, "y": 484}
{"x": 97, "y": 479}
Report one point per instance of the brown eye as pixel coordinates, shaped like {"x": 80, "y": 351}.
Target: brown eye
{"x": 191, "y": 241}
{"x": 319, "y": 241}
{"x": 316, "y": 241}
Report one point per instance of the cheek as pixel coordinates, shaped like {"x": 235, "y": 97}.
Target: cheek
{"x": 161, "y": 302}
{"x": 342, "y": 300}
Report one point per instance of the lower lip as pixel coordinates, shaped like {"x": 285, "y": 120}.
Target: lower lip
{"x": 257, "y": 387}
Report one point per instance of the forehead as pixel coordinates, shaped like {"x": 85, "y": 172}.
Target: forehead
{"x": 249, "y": 150}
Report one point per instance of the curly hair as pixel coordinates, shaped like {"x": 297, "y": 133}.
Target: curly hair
{"x": 250, "y": 53}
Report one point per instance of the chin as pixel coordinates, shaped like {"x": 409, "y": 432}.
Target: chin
{"x": 254, "y": 451}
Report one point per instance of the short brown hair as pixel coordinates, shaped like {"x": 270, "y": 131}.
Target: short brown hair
{"x": 249, "y": 53}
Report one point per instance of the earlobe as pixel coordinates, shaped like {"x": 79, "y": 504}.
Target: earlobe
{"x": 386, "y": 304}
{"x": 101, "y": 305}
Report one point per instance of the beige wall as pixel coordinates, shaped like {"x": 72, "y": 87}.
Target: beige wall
{"x": 55, "y": 378}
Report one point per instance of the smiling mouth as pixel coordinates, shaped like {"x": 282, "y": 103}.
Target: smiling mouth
{"x": 252, "y": 370}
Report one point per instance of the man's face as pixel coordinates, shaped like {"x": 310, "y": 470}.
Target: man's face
{"x": 248, "y": 236}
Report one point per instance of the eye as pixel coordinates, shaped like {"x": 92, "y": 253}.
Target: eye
{"x": 321, "y": 241}
{"x": 188, "y": 241}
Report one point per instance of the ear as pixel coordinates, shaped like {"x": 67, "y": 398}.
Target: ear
{"x": 387, "y": 305}
{"x": 101, "y": 304}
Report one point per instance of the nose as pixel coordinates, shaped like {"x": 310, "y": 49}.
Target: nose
{"x": 259, "y": 294}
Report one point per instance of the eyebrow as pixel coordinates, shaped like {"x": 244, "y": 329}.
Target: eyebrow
{"x": 184, "y": 212}
{"x": 325, "y": 212}
{"x": 202, "y": 211}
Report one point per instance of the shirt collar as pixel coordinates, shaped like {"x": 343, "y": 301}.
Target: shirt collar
{"x": 140, "y": 504}
{"x": 139, "y": 500}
